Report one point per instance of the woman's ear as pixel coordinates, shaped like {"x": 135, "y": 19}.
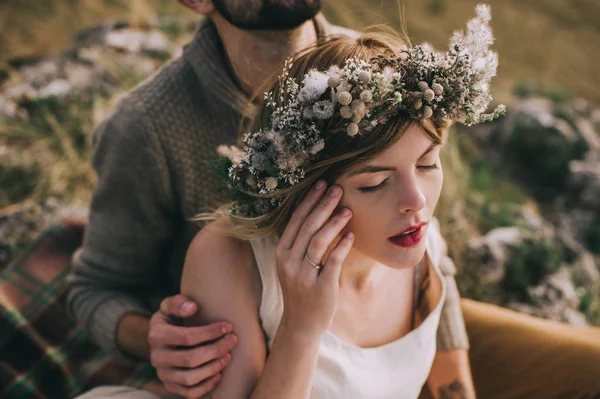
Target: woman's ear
{"x": 203, "y": 7}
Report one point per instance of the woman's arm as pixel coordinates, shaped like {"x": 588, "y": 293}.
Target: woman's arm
{"x": 450, "y": 376}
{"x": 219, "y": 274}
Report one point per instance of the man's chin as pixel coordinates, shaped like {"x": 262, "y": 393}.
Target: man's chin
{"x": 272, "y": 15}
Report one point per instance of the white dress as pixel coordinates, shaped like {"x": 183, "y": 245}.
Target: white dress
{"x": 397, "y": 370}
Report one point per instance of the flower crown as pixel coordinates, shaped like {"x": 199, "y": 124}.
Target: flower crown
{"x": 422, "y": 83}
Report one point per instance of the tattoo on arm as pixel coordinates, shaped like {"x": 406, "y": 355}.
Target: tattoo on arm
{"x": 454, "y": 390}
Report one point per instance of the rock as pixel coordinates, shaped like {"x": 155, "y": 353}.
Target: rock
{"x": 93, "y": 55}
{"x": 21, "y": 92}
{"x": 574, "y": 317}
{"x": 595, "y": 119}
{"x": 580, "y": 107}
{"x": 23, "y": 224}
{"x": 555, "y": 298}
{"x": 56, "y": 88}
{"x": 585, "y": 180}
{"x": 585, "y": 272}
{"x": 41, "y": 73}
{"x": 8, "y": 109}
{"x": 492, "y": 251}
{"x": 157, "y": 44}
{"x": 563, "y": 284}
{"x": 129, "y": 40}
{"x": 80, "y": 77}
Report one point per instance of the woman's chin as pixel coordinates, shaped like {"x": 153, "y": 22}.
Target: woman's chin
{"x": 404, "y": 258}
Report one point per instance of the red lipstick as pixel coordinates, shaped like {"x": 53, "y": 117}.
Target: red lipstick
{"x": 409, "y": 237}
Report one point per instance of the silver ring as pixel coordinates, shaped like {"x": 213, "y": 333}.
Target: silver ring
{"x": 316, "y": 266}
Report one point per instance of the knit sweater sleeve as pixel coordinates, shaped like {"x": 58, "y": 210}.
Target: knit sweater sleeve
{"x": 452, "y": 333}
{"x": 130, "y": 226}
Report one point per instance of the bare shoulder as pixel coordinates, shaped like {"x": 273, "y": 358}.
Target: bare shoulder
{"x": 219, "y": 275}
{"x": 217, "y": 262}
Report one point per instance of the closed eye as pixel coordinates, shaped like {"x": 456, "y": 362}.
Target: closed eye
{"x": 372, "y": 189}
{"x": 428, "y": 167}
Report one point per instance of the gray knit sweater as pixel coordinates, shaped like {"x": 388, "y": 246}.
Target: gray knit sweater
{"x": 152, "y": 177}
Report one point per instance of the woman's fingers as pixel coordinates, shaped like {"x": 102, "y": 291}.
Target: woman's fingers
{"x": 320, "y": 242}
{"x": 300, "y": 214}
{"x": 315, "y": 221}
{"x": 331, "y": 271}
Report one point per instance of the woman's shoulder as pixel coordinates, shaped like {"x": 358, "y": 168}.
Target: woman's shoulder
{"x": 217, "y": 260}
{"x": 212, "y": 242}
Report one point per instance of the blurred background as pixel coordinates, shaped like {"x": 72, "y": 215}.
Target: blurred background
{"x": 521, "y": 208}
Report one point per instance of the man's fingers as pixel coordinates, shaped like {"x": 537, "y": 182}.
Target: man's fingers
{"x": 169, "y": 335}
{"x": 178, "y": 306}
{"x": 197, "y": 391}
{"x": 191, "y": 377}
{"x": 192, "y": 357}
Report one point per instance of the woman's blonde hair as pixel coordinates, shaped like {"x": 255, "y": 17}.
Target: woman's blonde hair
{"x": 341, "y": 152}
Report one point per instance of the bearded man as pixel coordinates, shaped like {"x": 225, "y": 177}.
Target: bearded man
{"x": 152, "y": 178}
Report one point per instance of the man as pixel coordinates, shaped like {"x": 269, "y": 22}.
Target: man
{"x": 150, "y": 158}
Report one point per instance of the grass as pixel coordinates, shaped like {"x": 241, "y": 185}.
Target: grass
{"x": 546, "y": 47}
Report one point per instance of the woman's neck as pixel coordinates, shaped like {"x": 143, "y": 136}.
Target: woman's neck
{"x": 362, "y": 274}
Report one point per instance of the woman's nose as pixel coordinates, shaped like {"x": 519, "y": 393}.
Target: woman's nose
{"x": 411, "y": 197}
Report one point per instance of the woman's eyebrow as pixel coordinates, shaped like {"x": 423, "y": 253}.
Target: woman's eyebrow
{"x": 375, "y": 168}
{"x": 370, "y": 169}
{"x": 428, "y": 150}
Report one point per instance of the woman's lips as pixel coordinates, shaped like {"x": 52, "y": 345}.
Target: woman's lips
{"x": 409, "y": 240}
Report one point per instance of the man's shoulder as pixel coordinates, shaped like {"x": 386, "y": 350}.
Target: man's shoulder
{"x": 153, "y": 102}
{"x": 174, "y": 83}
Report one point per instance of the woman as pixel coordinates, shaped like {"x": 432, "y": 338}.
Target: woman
{"x": 327, "y": 258}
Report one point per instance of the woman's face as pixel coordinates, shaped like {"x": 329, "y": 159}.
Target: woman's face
{"x": 395, "y": 192}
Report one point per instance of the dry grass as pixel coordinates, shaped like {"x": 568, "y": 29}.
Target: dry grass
{"x": 554, "y": 42}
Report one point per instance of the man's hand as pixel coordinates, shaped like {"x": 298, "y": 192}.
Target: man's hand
{"x": 188, "y": 360}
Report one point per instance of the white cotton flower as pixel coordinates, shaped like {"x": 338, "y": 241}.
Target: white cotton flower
{"x": 271, "y": 183}
{"x": 418, "y": 104}
{"x": 344, "y": 98}
{"x": 316, "y": 80}
{"x": 437, "y": 88}
{"x": 423, "y": 85}
{"x": 356, "y": 118}
{"x": 323, "y": 109}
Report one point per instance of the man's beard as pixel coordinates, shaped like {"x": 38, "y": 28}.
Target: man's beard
{"x": 267, "y": 14}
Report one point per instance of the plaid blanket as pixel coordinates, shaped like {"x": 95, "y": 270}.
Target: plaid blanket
{"x": 43, "y": 354}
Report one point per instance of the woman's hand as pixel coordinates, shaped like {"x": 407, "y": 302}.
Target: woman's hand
{"x": 310, "y": 293}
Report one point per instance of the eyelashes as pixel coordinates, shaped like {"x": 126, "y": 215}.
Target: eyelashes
{"x": 372, "y": 189}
